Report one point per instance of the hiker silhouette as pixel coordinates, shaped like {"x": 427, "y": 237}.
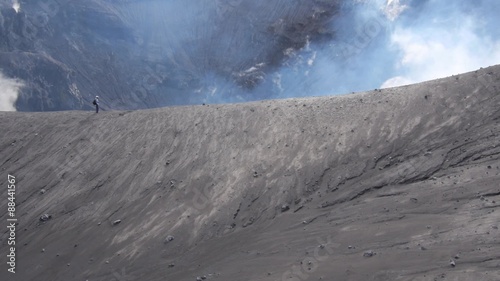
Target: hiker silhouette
{"x": 96, "y": 103}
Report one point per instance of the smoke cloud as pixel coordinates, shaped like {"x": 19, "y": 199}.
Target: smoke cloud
{"x": 216, "y": 51}
{"x": 233, "y": 50}
{"x": 9, "y": 91}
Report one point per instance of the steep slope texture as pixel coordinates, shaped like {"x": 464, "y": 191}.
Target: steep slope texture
{"x": 383, "y": 185}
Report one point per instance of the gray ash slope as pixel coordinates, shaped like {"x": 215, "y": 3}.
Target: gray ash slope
{"x": 296, "y": 189}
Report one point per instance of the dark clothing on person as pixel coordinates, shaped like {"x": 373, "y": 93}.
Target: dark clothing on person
{"x": 96, "y": 103}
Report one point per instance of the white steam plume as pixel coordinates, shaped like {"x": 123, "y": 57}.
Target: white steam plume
{"x": 9, "y": 91}
{"x": 16, "y": 5}
{"x": 443, "y": 44}
{"x": 405, "y": 42}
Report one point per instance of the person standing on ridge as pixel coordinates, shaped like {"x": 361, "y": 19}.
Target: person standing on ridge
{"x": 96, "y": 103}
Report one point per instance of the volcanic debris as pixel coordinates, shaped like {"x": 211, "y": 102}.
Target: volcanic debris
{"x": 285, "y": 208}
{"x": 45, "y": 217}
{"x": 369, "y": 254}
{"x": 169, "y": 238}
